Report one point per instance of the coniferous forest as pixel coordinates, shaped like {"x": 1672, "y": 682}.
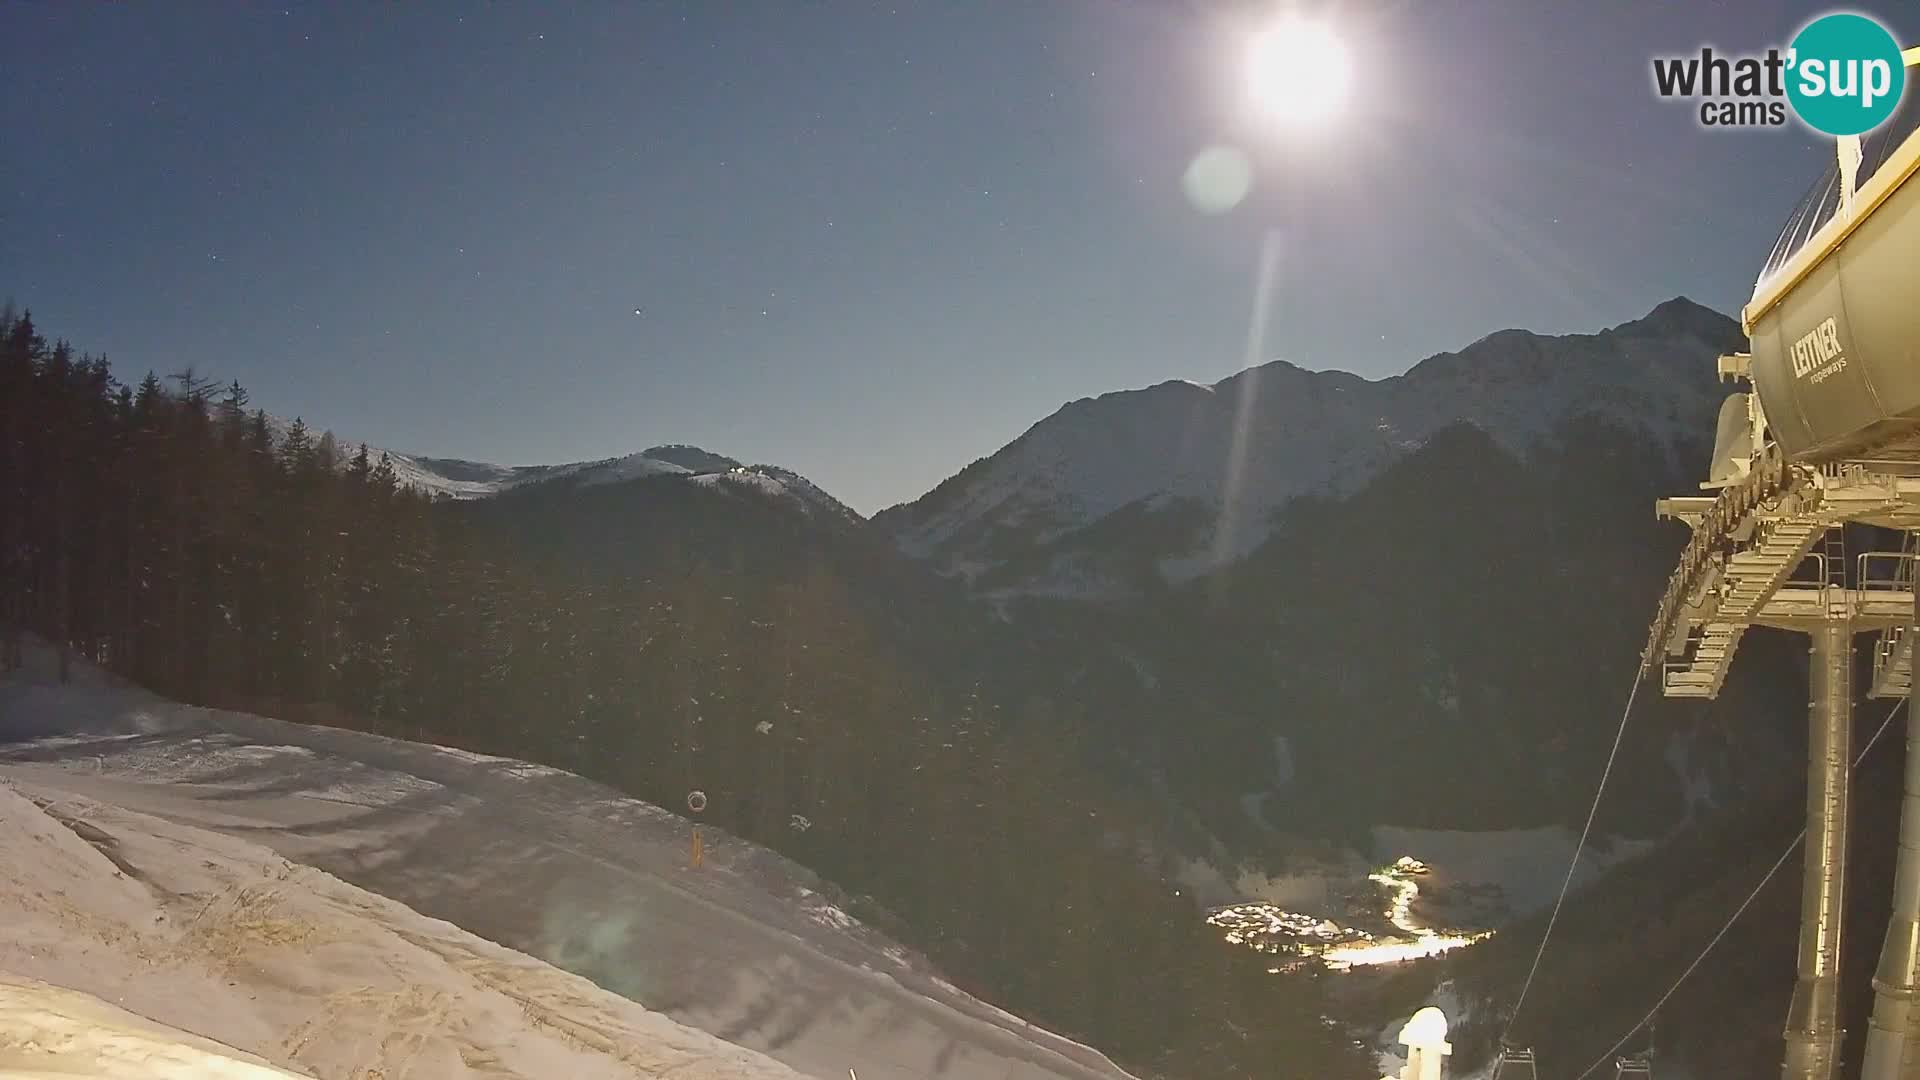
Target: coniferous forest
{"x": 170, "y": 532}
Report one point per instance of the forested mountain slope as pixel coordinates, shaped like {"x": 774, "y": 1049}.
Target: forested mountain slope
{"x": 167, "y": 534}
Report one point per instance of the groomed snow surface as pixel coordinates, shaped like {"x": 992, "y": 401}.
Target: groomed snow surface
{"x": 223, "y": 938}
{"x": 68, "y": 1034}
{"x": 166, "y": 869}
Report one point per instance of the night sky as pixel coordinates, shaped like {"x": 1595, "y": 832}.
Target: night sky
{"x": 867, "y": 241}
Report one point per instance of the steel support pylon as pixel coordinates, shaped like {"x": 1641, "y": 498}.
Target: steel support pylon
{"x": 1893, "y": 1045}
{"x": 1813, "y": 1022}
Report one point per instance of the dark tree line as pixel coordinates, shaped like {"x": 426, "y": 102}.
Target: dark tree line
{"x": 194, "y": 545}
{"x": 167, "y": 532}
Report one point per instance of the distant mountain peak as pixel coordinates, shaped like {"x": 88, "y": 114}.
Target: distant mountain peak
{"x": 691, "y": 458}
{"x": 1200, "y": 471}
{"x": 461, "y": 478}
{"x": 477, "y": 480}
{"x": 1682, "y": 315}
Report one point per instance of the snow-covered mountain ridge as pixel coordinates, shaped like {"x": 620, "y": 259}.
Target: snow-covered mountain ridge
{"x": 1236, "y": 451}
{"x": 457, "y": 478}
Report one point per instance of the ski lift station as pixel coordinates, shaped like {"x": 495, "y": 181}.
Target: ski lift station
{"x": 1822, "y": 434}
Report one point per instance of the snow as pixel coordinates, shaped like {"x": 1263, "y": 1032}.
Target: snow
{"x": 1696, "y": 786}
{"x": 1307, "y": 433}
{"x": 1307, "y": 885}
{"x": 771, "y": 482}
{"x": 1526, "y": 865}
{"x": 458, "y": 478}
{"x": 1283, "y": 766}
{"x": 620, "y": 470}
{"x": 1254, "y": 806}
{"x": 740, "y": 478}
{"x": 276, "y": 829}
{"x": 422, "y": 474}
{"x": 224, "y": 939}
{"x": 48, "y": 1032}
{"x": 1466, "y": 885}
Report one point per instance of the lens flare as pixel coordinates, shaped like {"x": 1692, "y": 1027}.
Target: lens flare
{"x": 1217, "y": 179}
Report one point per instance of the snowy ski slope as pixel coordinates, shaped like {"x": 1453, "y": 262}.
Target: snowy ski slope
{"x": 244, "y": 833}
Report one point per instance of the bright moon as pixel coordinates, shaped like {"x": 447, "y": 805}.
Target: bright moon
{"x": 1298, "y": 73}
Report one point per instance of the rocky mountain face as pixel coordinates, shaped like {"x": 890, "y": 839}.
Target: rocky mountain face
{"x": 1429, "y": 618}
{"x": 1170, "y": 482}
{"x": 1416, "y": 601}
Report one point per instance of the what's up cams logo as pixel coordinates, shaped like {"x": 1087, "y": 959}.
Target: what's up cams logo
{"x": 1842, "y": 75}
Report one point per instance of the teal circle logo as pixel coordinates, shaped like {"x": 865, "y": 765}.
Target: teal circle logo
{"x": 1844, "y": 74}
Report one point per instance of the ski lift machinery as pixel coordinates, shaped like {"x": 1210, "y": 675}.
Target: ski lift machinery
{"x": 1829, "y": 436}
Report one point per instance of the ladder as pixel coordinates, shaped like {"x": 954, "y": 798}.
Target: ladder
{"x": 1514, "y": 1064}
{"x": 1834, "y": 547}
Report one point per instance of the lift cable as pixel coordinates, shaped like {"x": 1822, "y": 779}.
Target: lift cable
{"x": 1573, "y": 864}
{"x": 1739, "y": 911}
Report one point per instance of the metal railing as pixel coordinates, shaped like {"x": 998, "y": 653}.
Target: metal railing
{"x": 1890, "y": 571}
{"x": 1514, "y": 1064}
{"x": 1893, "y": 643}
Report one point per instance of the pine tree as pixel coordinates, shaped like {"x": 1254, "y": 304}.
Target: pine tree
{"x": 172, "y": 537}
{"x": 20, "y": 347}
{"x": 233, "y": 417}
{"x": 384, "y": 480}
